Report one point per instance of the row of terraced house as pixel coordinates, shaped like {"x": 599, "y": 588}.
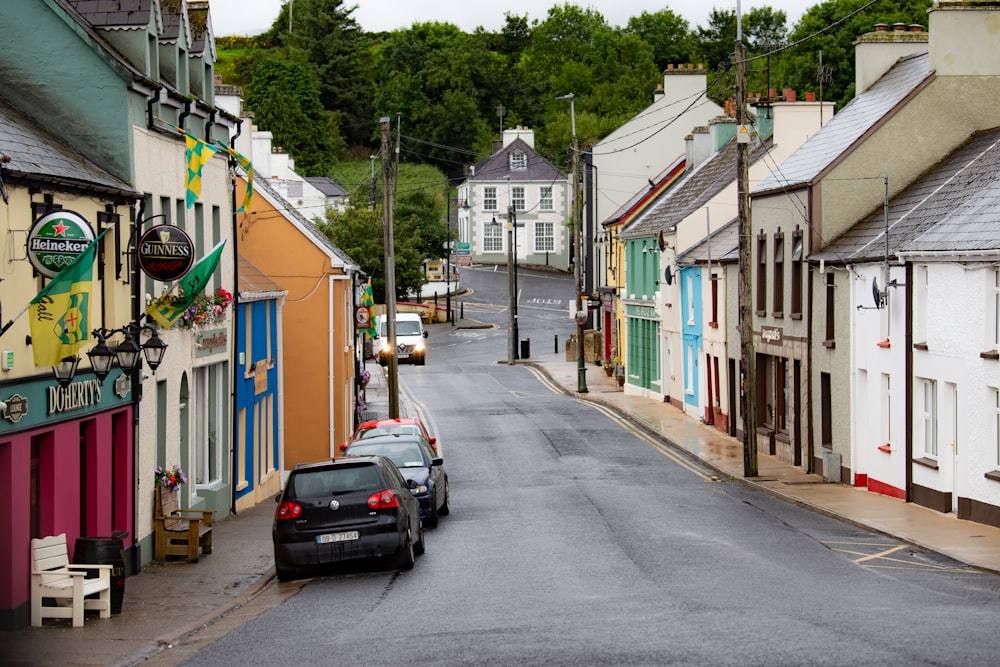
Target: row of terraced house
{"x": 101, "y": 105}
{"x": 874, "y": 272}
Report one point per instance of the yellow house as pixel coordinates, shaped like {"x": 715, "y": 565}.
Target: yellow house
{"x": 317, "y": 391}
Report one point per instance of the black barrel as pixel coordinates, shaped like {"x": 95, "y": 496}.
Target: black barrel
{"x": 526, "y": 348}
{"x": 104, "y": 551}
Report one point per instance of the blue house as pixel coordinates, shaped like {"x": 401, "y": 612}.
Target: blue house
{"x": 258, "y": 398}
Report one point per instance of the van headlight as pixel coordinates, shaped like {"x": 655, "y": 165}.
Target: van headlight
{"x": 419, "y": 347}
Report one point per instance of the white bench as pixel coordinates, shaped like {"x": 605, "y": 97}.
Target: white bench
{"x": 54, "y": 577}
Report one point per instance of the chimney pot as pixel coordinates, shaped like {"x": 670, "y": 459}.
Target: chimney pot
{"x": 772, "y": 92}
{"x": 899, "y": 27}
{"x": 916, "y": 27}
{"x": 881, "y": 27}
{"x": 670, "y": 66}
{"x": 789, "y": 94}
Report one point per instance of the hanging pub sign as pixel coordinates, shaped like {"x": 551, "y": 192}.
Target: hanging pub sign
{"x": 165, "y": 253}
{"x": 56, "y": 239}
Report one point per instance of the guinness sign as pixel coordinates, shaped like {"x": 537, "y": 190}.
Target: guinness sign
{"x": 165, "y": 253}
{"x": 55, "y": 241}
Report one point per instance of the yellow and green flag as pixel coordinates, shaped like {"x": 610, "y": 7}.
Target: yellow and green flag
{"x": 166, "y": 311}
{"x": 58, "y": 315}
{"x": 197, "y": 154}
{"x": 368, "y": 300}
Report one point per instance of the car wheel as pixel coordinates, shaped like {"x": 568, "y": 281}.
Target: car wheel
{"x": 383, "y": 362}
{"x": 420, "y": 361}
{"x": 284, "y": 572}
{"x": 446, "y": 505}
{"x": 420, "y": 547}
{"x": 405, "y": 557}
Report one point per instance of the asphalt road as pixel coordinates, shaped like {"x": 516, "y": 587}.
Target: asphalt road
{"x": 574, "y": 542}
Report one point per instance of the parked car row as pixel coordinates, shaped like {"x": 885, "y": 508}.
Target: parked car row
{"x": 372, "y": 503}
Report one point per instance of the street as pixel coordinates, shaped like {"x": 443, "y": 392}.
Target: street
{"x": 572, "y": 541}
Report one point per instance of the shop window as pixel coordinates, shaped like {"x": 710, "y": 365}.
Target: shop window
{"x": 826, "y": 410}
{"x": 209, "y": 423}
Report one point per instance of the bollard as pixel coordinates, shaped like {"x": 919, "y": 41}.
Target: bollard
{"x": 526, "y": 348}
{"x": 462, "y": 315}
{"x": 556, "y": 344}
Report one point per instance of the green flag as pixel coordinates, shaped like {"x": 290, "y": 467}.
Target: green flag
{"x": 368, "y": 301}
{"x": 168, "y": 308}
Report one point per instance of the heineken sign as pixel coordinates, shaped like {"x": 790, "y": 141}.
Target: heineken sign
{"x": 165, "y": 253}
{"x": 56, "y": 239}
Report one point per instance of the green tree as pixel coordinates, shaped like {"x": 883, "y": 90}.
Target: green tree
{"x": 284, "y": 98}
{"x": 668, "y": 34}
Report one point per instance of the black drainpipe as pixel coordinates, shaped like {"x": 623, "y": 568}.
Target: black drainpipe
{"x": 237, "y": 373}
{"x": 184, "y": 114}
{"x": 153, "y": 99}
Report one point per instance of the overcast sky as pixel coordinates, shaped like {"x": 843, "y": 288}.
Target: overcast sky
{"x": 250, "y": 17}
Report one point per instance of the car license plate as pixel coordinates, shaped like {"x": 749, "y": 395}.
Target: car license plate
{"x": 337, "y": 537}
{"x": 403, "y": 355}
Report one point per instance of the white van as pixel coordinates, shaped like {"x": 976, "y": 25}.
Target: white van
{"x": 410, "y": 335}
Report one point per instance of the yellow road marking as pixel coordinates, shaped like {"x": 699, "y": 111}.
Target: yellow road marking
{"x": 882, "y": 554}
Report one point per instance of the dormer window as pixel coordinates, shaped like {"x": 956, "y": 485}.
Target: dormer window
{"x": 518, "y": 161}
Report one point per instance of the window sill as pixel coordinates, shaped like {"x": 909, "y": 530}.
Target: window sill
{"x": 778, "y": 315}
{"x": 760, "y": 313}
{"x": 765, "y": 430}
{"x": 990, "y": 354}
{"x": 782, "y": 436}
{"x": 796, "y": 316}
{"x": 994, "y": 475}
{"x": 830, "y": 344}
{"x": 927, "y": 462}
{"x": 713, "y": 325}
{"x": 920, "y": 346}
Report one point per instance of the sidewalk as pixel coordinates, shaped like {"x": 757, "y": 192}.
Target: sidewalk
{"x": 169, "y": 602}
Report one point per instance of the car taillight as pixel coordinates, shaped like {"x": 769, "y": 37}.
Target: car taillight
{"x": 288, "y": 510}
{"x": 383, "y": 500}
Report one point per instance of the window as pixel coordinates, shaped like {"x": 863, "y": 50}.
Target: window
{"x": 714, "y": 281}
{"x": 689, "y": 288}
{"x": 490, "y": 198}
{"x": 781, "y": 384}
{"x": 765, "y": 380}
{"x": 925, "y": 413}
{"x": 492, "y": 237}
{"x": 826, "y": 410}
{"x": 545, "y": 198}
{"x": 545, "y": 240}
{"x": 797, "y": 254}
{"x": 830, "y": 314}
{"x": 993, "y": 339}
{"x": 209, "y": 432}
{"x": 518, "y": 161}
{"x": 886, "y": 409}
{"x": 996, "y": 424}
{"x": 761, "y": 273}
{"x": 778, "y": 302}
{"x": 920, "y": 296}
{"x": 517, "y": 197}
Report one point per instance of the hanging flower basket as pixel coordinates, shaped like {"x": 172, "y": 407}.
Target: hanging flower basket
{"x": 205, "y": 309}
{"x": 170, "y": 480}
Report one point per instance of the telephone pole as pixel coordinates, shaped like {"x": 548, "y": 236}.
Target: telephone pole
{"x": 390, "y": 271}
{"x": 748, "y": 382}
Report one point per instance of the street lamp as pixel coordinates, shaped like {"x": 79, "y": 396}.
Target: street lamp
{"x": 581, "y": 313}
{"x": 127, "y": 352}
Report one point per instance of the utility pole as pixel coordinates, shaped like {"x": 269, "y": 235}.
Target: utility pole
{"x": 748, "y": 381}
{"x": 581, "y": 311}
{"x": 511, "y": 317}
{"x": 447, "y": 261}
{"x": 390, "y": 271}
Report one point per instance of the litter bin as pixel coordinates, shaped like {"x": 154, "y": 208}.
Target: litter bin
{"x": 105, "y": 551}
{"x": 526, "y": 348}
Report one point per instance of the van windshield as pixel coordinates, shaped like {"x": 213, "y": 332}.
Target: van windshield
{"x": 408, "y": 328}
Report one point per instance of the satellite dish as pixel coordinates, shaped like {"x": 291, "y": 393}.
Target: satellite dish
{"x": 668, "y": 276}
{"x": 877, "y": 293}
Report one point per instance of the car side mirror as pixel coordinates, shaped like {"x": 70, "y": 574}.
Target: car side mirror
{"x": 425, "y": 334}
{"x": 277, "y": 498}
{"x": 411, "y": 484}
{"x": 437, "y": 461}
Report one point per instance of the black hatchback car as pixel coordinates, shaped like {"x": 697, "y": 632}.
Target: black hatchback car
{"x": 342, "y": 510}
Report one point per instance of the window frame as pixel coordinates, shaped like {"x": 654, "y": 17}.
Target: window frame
{"x": 545, "y": 236}
{"x": 778, "y": 287}
{"x": 546, "y": 202}
{"x": 490, "y": 198}
{"x": 761, "y": 274}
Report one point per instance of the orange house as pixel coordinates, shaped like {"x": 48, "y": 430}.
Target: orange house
{"x": 318, "y": 342}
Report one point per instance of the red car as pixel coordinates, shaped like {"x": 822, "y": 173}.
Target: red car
{"x": 403, "y": 425}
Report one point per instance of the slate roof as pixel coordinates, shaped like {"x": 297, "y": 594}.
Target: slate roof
{"x": 254, "y": 284}
{"x": 173, "y": 22}
{"x": 38, "y": 155}
{"x": 327, "y": 186}
{"x": 953, "y": 209}
{"x": 497, "y": 166}
{"x": 656, "y": 185}
{"x": 200, "y": 21}
{"x": 823, "y": 148}
{"x": 721, "y": 244}
{"x": 116, "y": 13}
{"x": 694, "y": 191}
